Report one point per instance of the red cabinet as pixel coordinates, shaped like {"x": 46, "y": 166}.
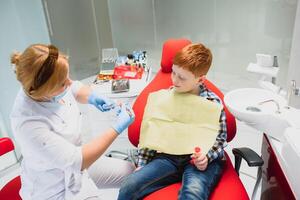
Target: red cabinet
{"x": 274, "y": 183}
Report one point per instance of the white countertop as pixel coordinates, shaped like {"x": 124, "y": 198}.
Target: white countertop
{"x": 135, "y": 88}
{"x": 287, "y": 164}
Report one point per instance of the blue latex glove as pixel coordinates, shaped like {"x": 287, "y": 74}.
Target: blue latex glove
{"x": 102, "y": 103}
{"x": 125, "y": 116}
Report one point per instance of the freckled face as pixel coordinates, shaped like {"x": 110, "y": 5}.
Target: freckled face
{"x": 185, "y": 81}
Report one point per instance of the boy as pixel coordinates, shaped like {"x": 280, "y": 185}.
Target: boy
{"x": 157, "y": 169}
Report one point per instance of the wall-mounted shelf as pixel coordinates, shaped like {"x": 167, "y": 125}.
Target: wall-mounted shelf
{"x": 268, "y": 71}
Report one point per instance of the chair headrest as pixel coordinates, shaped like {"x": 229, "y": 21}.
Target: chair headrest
{"x": 170, "y": 48}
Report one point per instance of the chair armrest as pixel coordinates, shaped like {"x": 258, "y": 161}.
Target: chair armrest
{"x": 131, "y": 155}
{"x": 117, "y": 154}
{"x": 251, "y": 157}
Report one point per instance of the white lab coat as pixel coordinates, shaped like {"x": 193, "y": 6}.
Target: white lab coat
{"x": 49, "y": 137}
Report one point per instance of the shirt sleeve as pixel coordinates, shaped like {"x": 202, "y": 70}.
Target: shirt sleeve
{"x": 145, "y": 155}
{"x": 46, "y": 145}
{"x": 217, "y": 150}
{"x": 75, "y": 86}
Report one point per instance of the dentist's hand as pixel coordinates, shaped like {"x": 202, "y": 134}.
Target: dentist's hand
{"x": 125, "y": 116}
{"x": 102, "y": 103}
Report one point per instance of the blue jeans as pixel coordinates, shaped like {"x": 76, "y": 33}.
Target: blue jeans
{"x": 166, "y": 169}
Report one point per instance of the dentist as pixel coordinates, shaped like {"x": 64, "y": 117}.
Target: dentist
{"x": 46, "y": 123}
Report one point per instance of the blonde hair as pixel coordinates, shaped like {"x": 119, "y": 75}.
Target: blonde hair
{"x": 194, "y": 57}
{"x": 28, "y": 66}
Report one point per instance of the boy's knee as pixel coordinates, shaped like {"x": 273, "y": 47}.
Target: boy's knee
{"x": 128, "y": 188}
{"x": 195, "y": 190}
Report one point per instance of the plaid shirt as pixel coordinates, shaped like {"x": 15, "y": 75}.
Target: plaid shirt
{"x": 145, "y": 155}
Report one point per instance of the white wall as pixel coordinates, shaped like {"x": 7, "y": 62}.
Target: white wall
{"x": 21, "y": 23}
{"x": 294, "y": 66}
{"x": 234, "y": 30}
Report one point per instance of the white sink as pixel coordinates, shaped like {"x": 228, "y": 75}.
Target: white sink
{"x": 253, "y": 105}
{"x": 263, "y": 110}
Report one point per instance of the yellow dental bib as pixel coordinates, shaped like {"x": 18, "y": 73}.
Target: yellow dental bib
{"x": 175, "y": 123}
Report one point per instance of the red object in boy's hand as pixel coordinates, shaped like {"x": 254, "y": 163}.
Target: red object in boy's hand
{"x": 197, "y": 150}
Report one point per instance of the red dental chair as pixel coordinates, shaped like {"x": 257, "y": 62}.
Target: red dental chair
{"x": 230, "y": 186}
{"x": 11, "y": 190}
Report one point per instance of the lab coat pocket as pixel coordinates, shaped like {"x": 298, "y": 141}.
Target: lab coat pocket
{"x": 88, "y": 188}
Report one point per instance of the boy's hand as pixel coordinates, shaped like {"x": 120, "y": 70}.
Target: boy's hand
{"x": 138, "y": 168}
{"x": 200, "y": 160}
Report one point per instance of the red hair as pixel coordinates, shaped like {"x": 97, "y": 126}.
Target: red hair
{"x": 195, "y": 58}
{"x": 28, "y": 65}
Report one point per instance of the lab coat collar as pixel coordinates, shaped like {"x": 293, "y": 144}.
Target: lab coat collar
{"x": 58, "y": 108}
{"x": 52, "y": 107}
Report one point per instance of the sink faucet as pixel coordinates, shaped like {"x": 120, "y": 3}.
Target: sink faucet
{"x": 293, "y": 91}
{"x": 272, "y": 100}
